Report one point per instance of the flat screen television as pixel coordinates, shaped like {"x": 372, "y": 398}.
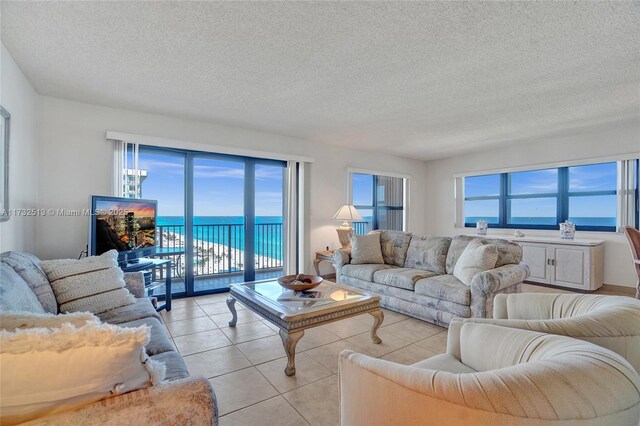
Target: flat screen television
{"x": 124, "y": 224}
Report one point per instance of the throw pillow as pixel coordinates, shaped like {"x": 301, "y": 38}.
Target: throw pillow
{"x": 394, "y": 245}
{"x": 15, "y": 294}
{"x": 28, "y": 267}
{"x": 476, "y": 257}
{"x": 366, "y": 249}
{"x": 11, "y": 321}
{"x": 72, "y": 363}
{"x": 428, "y": 253}
{"x": 95, "y": 284}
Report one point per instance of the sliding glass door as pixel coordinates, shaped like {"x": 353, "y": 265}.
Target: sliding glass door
{"x": 268, "y": 220}
{"x": 229, "y": 227}
{"x": 162, "y": 178}
{"x": 218, "y": 222}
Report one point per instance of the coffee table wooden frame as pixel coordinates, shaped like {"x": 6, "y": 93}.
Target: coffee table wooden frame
{"x": 292, "y": 325}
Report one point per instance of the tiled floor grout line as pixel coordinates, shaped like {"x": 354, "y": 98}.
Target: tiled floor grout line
{"x": 256, "y": 366}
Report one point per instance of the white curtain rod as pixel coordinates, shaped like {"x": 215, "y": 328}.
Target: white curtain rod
{"x": 540, "y": 166}
{"x": 203, "y": 147}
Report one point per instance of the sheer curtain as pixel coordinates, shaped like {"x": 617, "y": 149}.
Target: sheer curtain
{"x": 295, "y": 244}
{"x": 126, "y": 171}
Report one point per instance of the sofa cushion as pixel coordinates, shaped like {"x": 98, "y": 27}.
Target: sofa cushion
{"x": 429, "y": 253}
{"x": 28, "y": 267}
{"x": 94, "y": 284}
{"x": 142, "y": 308}
{"x": 444, "y": 287}
{"x": 364, "y": 272}
{"x": 175, "y": 366}
{"x": 509, "y": 252}
{"x": 476, "y": 258}
{"x": 15, "y": 294}
{"x": 159, "y": 339}
{"x": 401, "y": 277}
{"x": 394, "y": 246}
{"x": 437, "y": 311}
{"x": 444, "y": 362}
{"x": 365, "y": 249}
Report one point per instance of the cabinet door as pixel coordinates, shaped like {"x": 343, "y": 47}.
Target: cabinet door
{"x": 535, "y": 256}
{"x": 570, "y": 268}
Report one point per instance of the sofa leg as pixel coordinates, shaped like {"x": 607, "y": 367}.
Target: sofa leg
{"x": 378, "y": 317}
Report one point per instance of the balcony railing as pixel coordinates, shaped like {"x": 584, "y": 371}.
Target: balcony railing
{"x": 218, "y": 249}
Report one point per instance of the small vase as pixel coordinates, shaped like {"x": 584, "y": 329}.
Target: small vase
{"x": 567, "y": 230}
{"x": 481, "y": 227}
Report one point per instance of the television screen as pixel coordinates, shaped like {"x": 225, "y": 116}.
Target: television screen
{"x": 124, "y": 224}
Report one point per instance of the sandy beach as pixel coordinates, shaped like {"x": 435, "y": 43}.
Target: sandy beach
{"x": 214, "y": 258}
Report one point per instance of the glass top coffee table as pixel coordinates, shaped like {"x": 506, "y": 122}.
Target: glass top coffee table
{"x": 294, "y": 312}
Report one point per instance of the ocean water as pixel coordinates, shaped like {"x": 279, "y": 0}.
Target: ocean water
{"x": 587, "y": 221}
{"x": 227, "y": 230}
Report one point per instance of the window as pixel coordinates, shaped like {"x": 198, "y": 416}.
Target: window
{"x": 482, "y": 199}
{"x": 532, "y": 198}
{"x": 592, "y": 195}
{"x": 541, "y": 199}
{"x": 379, "y": 200}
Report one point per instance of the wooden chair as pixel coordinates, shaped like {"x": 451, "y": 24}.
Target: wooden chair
{"x": 633, "y": 236}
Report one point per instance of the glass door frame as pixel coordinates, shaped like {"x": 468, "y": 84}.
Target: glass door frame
{"x": 249, "y": 212}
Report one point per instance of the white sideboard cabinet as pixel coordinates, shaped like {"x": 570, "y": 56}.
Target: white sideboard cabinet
{"x": 575, "y": 264}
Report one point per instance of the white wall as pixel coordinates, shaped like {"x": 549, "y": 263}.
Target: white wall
{"x": 623, "y": 138}
{"x": 76, "y": 161}
{"x": 18, "y": 97}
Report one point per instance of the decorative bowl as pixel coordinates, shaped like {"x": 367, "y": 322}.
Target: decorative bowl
{"x": 309, "y": 282}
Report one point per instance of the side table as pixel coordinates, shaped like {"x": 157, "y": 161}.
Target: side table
{"x": 149, "y": 265}
{"x": 326, "y": 255}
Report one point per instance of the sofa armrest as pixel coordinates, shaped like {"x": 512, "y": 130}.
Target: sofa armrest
{"x": 380, "y": 392}
{"x": 134, "y": 282}
{"x": 186, "y": 401}
{"x": 340, "y": 258}
{"x": 485, "y": 285}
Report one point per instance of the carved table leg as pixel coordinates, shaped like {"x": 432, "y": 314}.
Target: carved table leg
{"x": 289, "y": 340}
{"x": 378, "y": 317}
{"x": 231, "y": 304}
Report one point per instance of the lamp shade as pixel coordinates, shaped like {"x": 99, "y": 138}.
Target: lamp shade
{"x": 347, "y": 212}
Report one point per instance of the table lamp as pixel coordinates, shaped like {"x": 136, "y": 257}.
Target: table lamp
{"x": 346, "y": 214}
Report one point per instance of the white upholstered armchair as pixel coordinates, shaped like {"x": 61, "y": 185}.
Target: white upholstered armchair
{"x": 612, "y": 322}
{"x": 502, "y": 376}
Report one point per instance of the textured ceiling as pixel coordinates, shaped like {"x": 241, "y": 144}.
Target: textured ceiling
{"x": 418, "y": 79}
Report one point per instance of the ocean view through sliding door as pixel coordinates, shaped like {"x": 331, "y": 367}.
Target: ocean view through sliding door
{"x": 229, "y": 226}
{"x": 162, "y": 178}
{"x": 218, "y": 222}
{"x": 268, "y": 223}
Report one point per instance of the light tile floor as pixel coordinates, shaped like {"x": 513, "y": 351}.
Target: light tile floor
{"x": 245, "y": 364}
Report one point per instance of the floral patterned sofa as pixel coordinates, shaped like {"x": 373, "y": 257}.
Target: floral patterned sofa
{"x": 417, "y": 279}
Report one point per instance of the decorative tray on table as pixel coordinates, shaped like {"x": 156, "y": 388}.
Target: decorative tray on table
{"x": 300, "y": 282}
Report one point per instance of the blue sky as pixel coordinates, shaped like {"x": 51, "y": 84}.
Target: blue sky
{"x": 218, "y": 186}
{"x": 597, "y": 177}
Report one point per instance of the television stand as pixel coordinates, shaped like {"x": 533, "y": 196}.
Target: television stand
{"x": 148, "y": 266}
{"x": 138, "y": 263}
